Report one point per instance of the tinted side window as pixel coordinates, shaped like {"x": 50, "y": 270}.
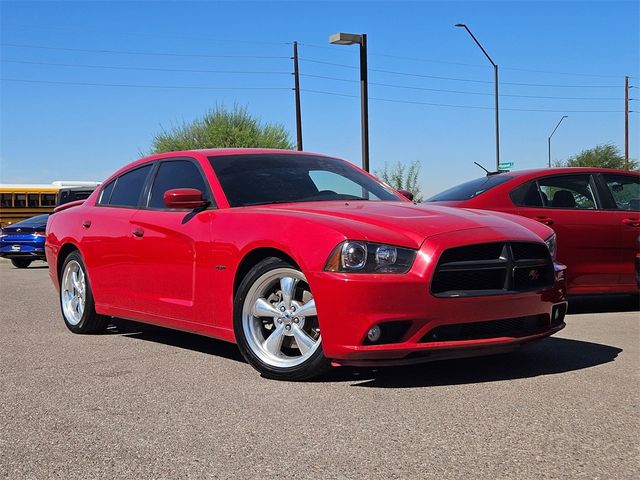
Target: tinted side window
{"x": 471, "y": 189}
{"x": 105, "y": 194}
{"x": 128, "y": 187}
{"x": 568, "y": 192}
{"x": 625, "y": 190}
{"x": 527, "y": 195}
{"x": 175, "y": 174}
{"x": 6, "y": 200}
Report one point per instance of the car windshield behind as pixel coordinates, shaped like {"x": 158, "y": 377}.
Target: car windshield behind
{"x": 260, "y": 179}
{"x": 470, "y": 189}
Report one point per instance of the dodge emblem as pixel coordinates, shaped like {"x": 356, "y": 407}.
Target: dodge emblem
{"x": 534, "y": 274}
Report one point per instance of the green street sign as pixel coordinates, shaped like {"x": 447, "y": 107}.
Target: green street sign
{"x": 505, "y": 164}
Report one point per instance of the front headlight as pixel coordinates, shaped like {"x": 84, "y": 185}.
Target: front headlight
{"x": 363, "y": 257}
{"x": 552, "y": 245}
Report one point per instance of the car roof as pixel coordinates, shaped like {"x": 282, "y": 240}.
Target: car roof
{"x": 536, "y": 172}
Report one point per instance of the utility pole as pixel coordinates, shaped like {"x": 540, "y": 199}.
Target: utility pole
{"x": 296, "y": 76}
{"x": 626, "y": 123}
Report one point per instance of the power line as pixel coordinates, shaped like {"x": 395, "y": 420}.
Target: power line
{"x": 411, "y": 87}
{"x": 186, "y": 87}
{"x": 392, "y": 100}
{"x": 456, "y": 79}
{"x": 153, "y": 69}
{"x": 129, "y": 52}
{"x": 154, "y": 35}
{"x": 444, "y": 62}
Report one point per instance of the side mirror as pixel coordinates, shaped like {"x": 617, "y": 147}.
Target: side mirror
{"x": 183, "y": 198}
{"x": 406, "y": 193}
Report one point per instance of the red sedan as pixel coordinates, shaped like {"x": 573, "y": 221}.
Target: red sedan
{"x": 595, "y": 212}
{"x": 303, "y": 260}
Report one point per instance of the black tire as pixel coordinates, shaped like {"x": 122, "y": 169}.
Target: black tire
{"x": 312, "y": 367}
{"x": 20, "y": 262}
{"x": 90, "y": 321}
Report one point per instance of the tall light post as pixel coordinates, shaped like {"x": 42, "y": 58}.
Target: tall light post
{"x": 359, "y": 39}
{"x": 549, "y": 139}
{"x": 495, "y": 75}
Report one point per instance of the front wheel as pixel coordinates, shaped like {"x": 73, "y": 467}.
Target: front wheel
{"x": 20, "y": 262}
{"x": 276, "y": 323}
{"x": 76, "y": 298}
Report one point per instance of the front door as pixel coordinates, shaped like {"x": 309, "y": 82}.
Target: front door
{"x": 171, "y": 250}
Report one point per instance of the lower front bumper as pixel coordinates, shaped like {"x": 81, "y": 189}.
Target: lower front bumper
{"x": 417, "y": 354}
{"x": 350, "y": 305}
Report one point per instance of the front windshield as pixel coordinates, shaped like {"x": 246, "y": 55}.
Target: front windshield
{"x": 260, "y": 179}
{"x": 468, "y": 190}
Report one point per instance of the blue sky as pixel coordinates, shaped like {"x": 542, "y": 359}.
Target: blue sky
{"x": 60, "y": 131}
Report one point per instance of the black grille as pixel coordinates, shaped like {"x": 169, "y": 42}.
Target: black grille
{"x": 510, "y": 327}
{"x": 492, "y": 269}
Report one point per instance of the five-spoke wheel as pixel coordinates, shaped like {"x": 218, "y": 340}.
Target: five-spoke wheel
{"x": 76, "y": 298}
{"x": 277, "y": 323}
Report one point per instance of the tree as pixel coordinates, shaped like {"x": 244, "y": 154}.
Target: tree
{"x": 222, "y": 128}
{"x": 603, "y": 156}
{"x": 400, "y": 177}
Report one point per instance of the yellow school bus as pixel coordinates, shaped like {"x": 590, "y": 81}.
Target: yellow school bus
{"x": 20, "y": 201}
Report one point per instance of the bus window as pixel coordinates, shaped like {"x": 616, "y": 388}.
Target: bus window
{"x": 48, "y": 199}
{"x": 6, "y": 200}
{"x": 32, "y": 200}
{"x": 21, "y": 200}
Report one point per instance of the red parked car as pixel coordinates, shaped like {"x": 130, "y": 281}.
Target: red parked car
{"x": 594, "y": 211}
{"x": 303, "y": 260}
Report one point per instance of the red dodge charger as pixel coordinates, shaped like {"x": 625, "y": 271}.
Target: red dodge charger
{"x": 594, "y": 211}
{"x": 303, "y": 260}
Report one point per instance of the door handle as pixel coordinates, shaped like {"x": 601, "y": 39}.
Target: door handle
{"x": 138, "y": 232}
{"x": 632, "y": 222}
{"x": 86, "y": 223}
{"x": 545, "y": 220}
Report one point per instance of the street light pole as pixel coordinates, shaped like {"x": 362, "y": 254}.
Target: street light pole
{"x": 549, "y": 138}
{"x": 495, "y": 77}
{"x": 361, "y": 40}
{"x": 296, "y": 82}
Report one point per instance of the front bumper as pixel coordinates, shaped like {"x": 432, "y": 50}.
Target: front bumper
{"x": 349, "y": 305}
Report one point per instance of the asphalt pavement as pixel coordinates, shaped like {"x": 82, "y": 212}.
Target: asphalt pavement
{"x": 143, "y": 402}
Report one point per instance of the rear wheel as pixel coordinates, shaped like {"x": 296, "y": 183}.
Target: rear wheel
{"x": 20, "y": 262}
{"x": 276, "y": 323}
{"x": 76, "y": 298}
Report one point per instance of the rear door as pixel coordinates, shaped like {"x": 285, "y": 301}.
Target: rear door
{"x": 171, "y": 249}
{"x": 107, "y": 243}
{"x": 569, "y": 203}
{"x": 621, "y": 202}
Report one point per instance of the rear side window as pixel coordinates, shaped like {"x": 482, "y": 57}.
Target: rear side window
{"x": 471, "y": 189}
{"x": 625, "y": 190}
{"x": 105, "y": 194}
{"x": 568, "y": 192}
{"x": 128, "y": 187}
{"x": 574, "y": 192}
{"x": 175, "y": 174}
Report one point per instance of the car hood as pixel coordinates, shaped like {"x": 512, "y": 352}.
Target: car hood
{"x": 403, "y": 223}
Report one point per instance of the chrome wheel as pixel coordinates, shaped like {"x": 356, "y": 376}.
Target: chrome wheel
{"x": 73, "y": 292}
{"x": 279, "y": 318}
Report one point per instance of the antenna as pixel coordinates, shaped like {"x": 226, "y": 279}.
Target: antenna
{"x": 488, "y": 172}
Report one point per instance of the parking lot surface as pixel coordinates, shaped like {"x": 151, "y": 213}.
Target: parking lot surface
{"x": 144, "y": 402}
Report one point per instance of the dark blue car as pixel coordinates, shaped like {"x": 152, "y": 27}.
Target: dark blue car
{"x": 23, "y": 242}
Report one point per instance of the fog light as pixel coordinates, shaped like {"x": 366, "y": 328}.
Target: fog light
{"x": 374, "y": 333}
